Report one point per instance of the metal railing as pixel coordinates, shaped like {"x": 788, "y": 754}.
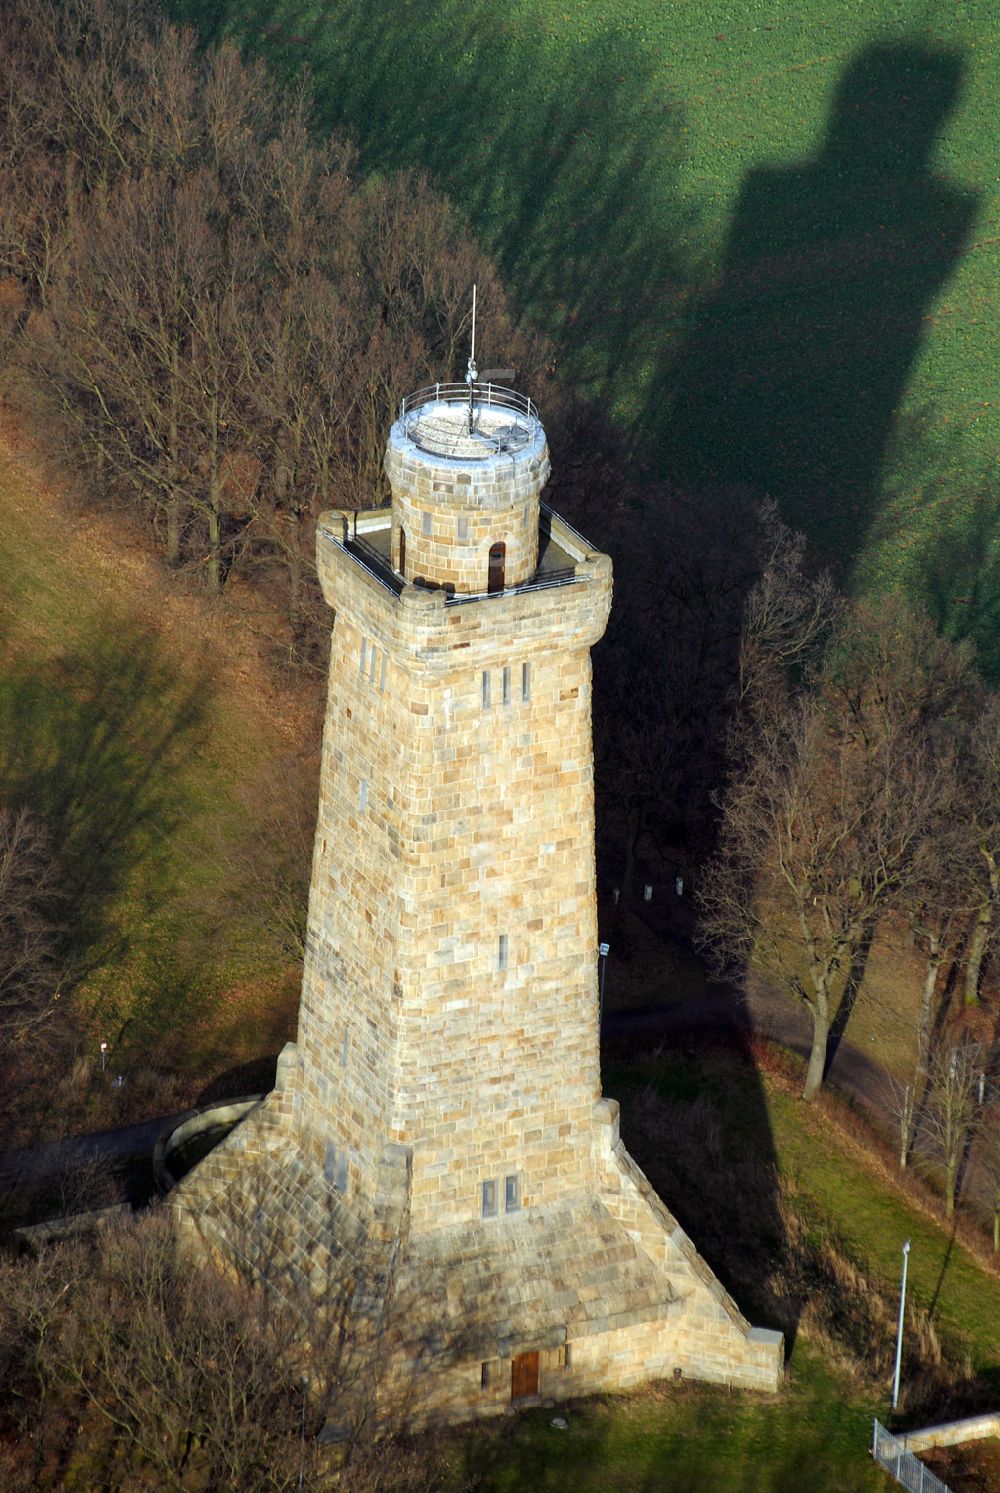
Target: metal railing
{"x": 437, "y": 438}
{"x": 379, "y": 567}
{"x": 538, "y": 583}
{"x": 370, "y": 560}
{"x": 890, "y": 1453}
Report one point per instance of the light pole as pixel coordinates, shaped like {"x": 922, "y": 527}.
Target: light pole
{"x": 603, "y": 949}
{"x": 899, "y": 1330}
{"x": 104, "y": 1056}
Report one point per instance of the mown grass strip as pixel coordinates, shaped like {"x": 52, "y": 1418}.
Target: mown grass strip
{"x": 873, "y": 1222}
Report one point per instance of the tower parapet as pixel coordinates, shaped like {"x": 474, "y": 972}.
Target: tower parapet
{"x": 466, "y": 465}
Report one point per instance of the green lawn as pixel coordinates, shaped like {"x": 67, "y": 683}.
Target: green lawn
{"x": 693, "y": 1440}
{"x": 696, "y": 1437}
{"x": 765, "y": 234}
{"x": 130, "y": 725}
{"x": 874, "y": 1222}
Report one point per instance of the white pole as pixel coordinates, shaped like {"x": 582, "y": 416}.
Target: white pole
{"x": 603, "y": 950}
{"x": 473, "y": 323}
{"x": 899, "y": 1330}
{"x": 471, "y": 375}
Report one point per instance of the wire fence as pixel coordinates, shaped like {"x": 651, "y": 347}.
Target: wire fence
{"x": 890, "y": 1453}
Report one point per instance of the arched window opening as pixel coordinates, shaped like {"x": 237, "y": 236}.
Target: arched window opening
{"x": 498, "y": 556}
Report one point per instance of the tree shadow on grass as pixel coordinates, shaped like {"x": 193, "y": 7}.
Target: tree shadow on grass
{"x": 800, "y": 356}
{"x": 957, "y": 566}
{"x": 557, "y": 143}
{"x": 94, "y": 743}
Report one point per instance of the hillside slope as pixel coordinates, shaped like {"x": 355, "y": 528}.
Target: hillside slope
{"x": 174, "y": 767}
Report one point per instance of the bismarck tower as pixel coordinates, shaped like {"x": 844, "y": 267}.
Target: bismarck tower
{"x": 436, "y": 1167}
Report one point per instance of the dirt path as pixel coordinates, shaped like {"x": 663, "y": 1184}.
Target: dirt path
{"x": 56, "y": 1158}
{"x": 768, "y": 1014}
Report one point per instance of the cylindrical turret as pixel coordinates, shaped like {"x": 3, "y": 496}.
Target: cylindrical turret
{"x": 466, "y": 470}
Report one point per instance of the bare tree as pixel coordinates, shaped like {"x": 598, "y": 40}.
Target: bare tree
{"x": 989, "y": 1154}
{"x": 787, "y": 620}
{"x": 936, "y": 903}
{"x": 29, "y": 967}
{"x": 823, "y": 824}
{"x": 954, "y": 1105}
{"x": 190, "y": 1370}
{"x": 983, "y": 818}
{"x": 141, "y": 343}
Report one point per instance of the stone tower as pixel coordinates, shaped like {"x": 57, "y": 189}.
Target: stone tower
{"x": 436, "y": 1167}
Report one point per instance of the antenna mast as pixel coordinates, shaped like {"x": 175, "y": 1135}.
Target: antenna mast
{"x": 472, "y": 374}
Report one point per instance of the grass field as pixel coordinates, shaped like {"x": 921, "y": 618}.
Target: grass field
{"x": 765, "y": 235}
{"x": 145, "y": 733}
{"x": 718, "y": 1115}
{"x": 695, "y": 1439}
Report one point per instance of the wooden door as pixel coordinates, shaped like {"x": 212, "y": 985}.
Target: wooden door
{"x": 498, "y": 556}
{"x": 402, "y": 552}
{"x": 524, "y": 1376}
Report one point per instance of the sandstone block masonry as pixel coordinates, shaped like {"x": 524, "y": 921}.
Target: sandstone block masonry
{"x": 436, "y": 1160}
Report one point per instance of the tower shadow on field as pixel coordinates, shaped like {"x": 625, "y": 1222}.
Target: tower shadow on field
{"x": 798, "y": 361}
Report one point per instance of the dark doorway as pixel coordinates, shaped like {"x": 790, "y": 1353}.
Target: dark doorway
{"x": 524, "y": 1376}
{"x": 402, "y": 552}
{"x": 498, "y": 555}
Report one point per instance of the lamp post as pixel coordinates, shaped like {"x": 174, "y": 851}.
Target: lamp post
{"x": 899, "y": 1330}
{"x": 603, "y": 949}
{"x": 104, "y": 1056}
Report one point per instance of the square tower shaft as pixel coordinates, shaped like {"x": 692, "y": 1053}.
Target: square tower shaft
{"x": 450, "y": 994}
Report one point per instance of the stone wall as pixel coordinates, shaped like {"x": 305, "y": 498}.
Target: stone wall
{"x": 453, "y": 511}
{"x": 450, "y": 991}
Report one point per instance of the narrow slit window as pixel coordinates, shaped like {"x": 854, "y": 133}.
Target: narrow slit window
{"x": 330, "y": 1165}
{"x": 525, "y": 681}
{"x": 463, "y": 528}
{"x": 566, "y": 1357}
{"x": 427, "y": 521}
{"x": 484, "y": 1376}
{"x": 341, "y": 1183}
{"x": 506, "y": 685}
{"x": 489, "y": 1198}
{"x": 371, "y": 667}
{"x": 345, "y": 1049}
{"x": 381, "y": 677}
{"x": 512, "y": 1194}
{"x": 503, "y": 951}
{"x": 486, "y": 689}
{"x": 363, "y": 795}
{"x": 364, "y": 654}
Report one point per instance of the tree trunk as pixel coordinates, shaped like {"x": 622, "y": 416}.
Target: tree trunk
{"x": 996, "y": 1230}
{"x": 906, "y": 1112}
{"x": 214, "y": 503}
{"x": 295, "y": 584}
{"x": 977, "y": 949}
{"x": 214, "y": 558}
{"x": 175, "y": 526}
{"x": 934, "y": 960}
{"x": 633, "y": 826}
{"x": 951, "y": 1184}
{"x": 817, "y": 1056}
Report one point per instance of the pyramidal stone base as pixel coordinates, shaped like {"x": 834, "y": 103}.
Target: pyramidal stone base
{"x": 599, "y": 1291}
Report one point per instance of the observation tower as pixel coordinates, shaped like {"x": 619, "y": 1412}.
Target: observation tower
{"x": 436, "y": 1171}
